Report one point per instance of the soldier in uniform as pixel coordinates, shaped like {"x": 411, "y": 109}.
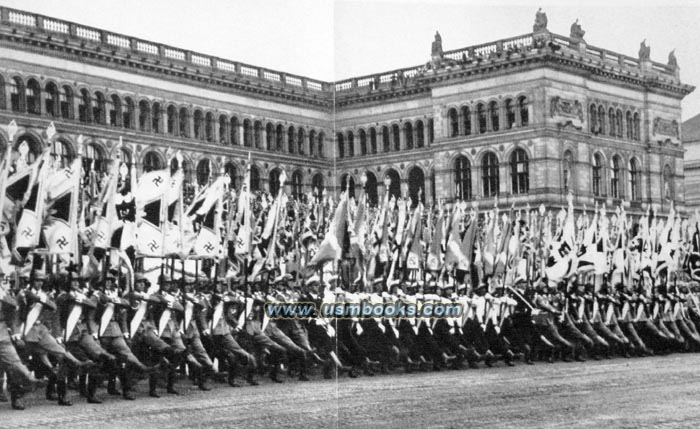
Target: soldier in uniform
{"x": 19, "y": 379}
{"x": 113, "y": 335}
{"x": 75, "y": 305}
{"x": 196, "y": 309}
{"x": 42, "y": 336}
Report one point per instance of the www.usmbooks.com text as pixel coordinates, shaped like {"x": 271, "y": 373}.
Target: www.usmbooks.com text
{"x": 362, "y": 309}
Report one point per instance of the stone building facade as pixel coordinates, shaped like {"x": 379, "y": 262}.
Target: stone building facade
{"x": 524, "y": 120}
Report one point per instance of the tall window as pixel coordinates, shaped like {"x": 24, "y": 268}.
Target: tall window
{"x": 454, "y": 123}
{"x": 615, "y": 177}
{"x": 618, "y": 123}
{"x": 463, "y": 178}
{"x": 198, "y": 125}
{"x": 420, "y": 134}
{"x": 291, "y": 140}
{"x": 489, "y": 174}
{"x": 601, "y": 120}
{"x": 611, "y": 121}
{"x": 593, "y": 118}
{"x": 467, "y": 120}
{"x": 363, "y": 142}
{"x": 59, "y": 154}
{"x": 209, "y": 127}
{"x": 279, "y": 138}
{"x": 234, "y": 131}
{"x": 144, "y": 115}
{"x": 317, "y": 183}
{"x": 203, "y": 172}
{"x": 493, "y": 115}
{"x": 668, "y": 183}
{"x": 630, "y": 125}
{"x": 519, "y": 172}
{"x": 247, "y": 133}
{"x": 51, "y": 101}
{"x": 270, "y": 137}
{"x": 597, "y": 174}
{"x": 274, "y": 182}
{"x": 636, "y": 124}
{"x": 481, "y": 116}
{"x": 634, "y": 180}
{"x": 341, "y": 145}
{"x": 408, "y": 135}
{"x": 172, "y": 119}
{"x": 373, "y": 141}
{"x": 156, "y": 115}
{"x": 524, "y": 113}
{"x": 16, "y": 94}
{"x": 184, "y": 122}
{"x": 431, "y": 130}
{"x": 66, "y": 100}
{"x": 297, "y": 188}
{"x": 351, "y": 144}
{"x": 92, "y": 158}
{"x": 84, "y": 106}
{"x": 115, "y": 111}
{"x": 33, "y": 97}
{"x": 386, "y": 144}
{"x": 396, "y": 137}
{"x": 257, "y": 134}
{"x": 99, "y": 108}
{"x": 510, "y": 114}
{"x": 254, "y": 179}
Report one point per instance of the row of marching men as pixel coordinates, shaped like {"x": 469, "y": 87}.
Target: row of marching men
{"x": 67, "y": 330}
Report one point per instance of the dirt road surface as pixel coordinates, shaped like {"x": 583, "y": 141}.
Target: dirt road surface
{"x": 660, "y": 392}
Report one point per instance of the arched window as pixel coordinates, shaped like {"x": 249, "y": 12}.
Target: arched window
{"x": 396, "y": 137}
{"x": 17, "y": 95}
{"x": 115, "y": 111}
{"x": 279, "y": 138}
{"x": 510, "y": 114}
{"x": 317, "y": 183}
{"x": 94, "y": 159}
{"x": 416, "y": 185}
{"x": 224, "y": 134}
{"x": 60, "y": 155}
{"x": 363, "y": 143}
{"x": 635, "y": 181}
{"x": 172, "y": 119}
{"x": 630, "y": 125}
{"x": 408, "y": 135}
{"x": 34, "y": 147}
{"x": 373, "y": 141}
{"x": 431, "y": 130}
{"x": 152, "y": 161}
{"x": 297, "y": 185}
{"x": 301, "y": 141}
{"x": 618, "y": 123}
{"x": 232, "y": 172}
{"x": 274, "y": 181}
{"x": 371, "y": 188}
{"x": 341, "y": 145}
{"x": 489, "y": 174}
{"x": 184, "y": 122}
{"x": 601, "y": 120}
{"x": 420, "y": 134}
{"x": 128, "y": 116}
{"x": 51, "y": 101}
{"x": 157, "y": 114}
{"x": 597, "y": 175}
{"x": 669, "y": 191}
{"x": 454, "y": 122}
{"x": 247, "y": 133}
{"x": 611, "y": 121}
{"x": 567, "y": 171}
{"x": 198, "y": 125}
{"x": 523, "y": 110}
{"x": 233, "y": 130}
{"x": 636, "y": 125}
{"x": 467, "y": 120}
{"x": 493, "y": 115}
{"x": 209, "y": 127}
{"x": 203, "y": 172}
{"x": 254, "y": 179}
{"x": 99, "y": 108}
{"x": 84, "y": 106}
{"x": 351, "y": 144}
{"x": 615, "y": 190}
{"x": 291, "y": 140}
{"x": 386, "y": 144}
{"x": 349, "y": 186}
{"x": 321, "y": 150}
{"x": 270, "y": 138}
{"x": 312, "y": 143}
{"x": 66, "y": 102}
{"x": 33, "y": 97}
{"x": 463, "y": 178}
{"x": 144, "y": 115}
{"x": 481, "y": 118}
{"x": 593, "y": 118}
{"x": 257, "y": 134}
{"x": 519, "y": 172}
{"x": 395, "y": 186}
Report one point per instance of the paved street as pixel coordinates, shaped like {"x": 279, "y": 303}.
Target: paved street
{"x": 650, "y": 392}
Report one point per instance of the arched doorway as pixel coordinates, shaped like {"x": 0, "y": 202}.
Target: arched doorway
{"x": 395, "y": 186}
{"x": 349, "y": 186}
{"x": 416, "y": 185}
{"x": 371, "y": 189}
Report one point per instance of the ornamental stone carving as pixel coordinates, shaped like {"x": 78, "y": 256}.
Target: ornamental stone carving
{"x": 664, "y": 127}
{"x": 567, "y": 112}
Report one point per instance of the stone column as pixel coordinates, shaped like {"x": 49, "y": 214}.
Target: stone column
{"x": 241, "y": 141}
{"x": 402, "y": 137}
{"x": 460, "y": 123}
{"x": 475, "y": 121}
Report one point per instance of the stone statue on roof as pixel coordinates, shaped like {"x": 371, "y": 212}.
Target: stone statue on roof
{"x": 540, "y": 21}
{"x": 644, "y": 51}
{"x": 672, "y": 62}
{"x": 436, "y": 49}
{"x": 576, "y": 31}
